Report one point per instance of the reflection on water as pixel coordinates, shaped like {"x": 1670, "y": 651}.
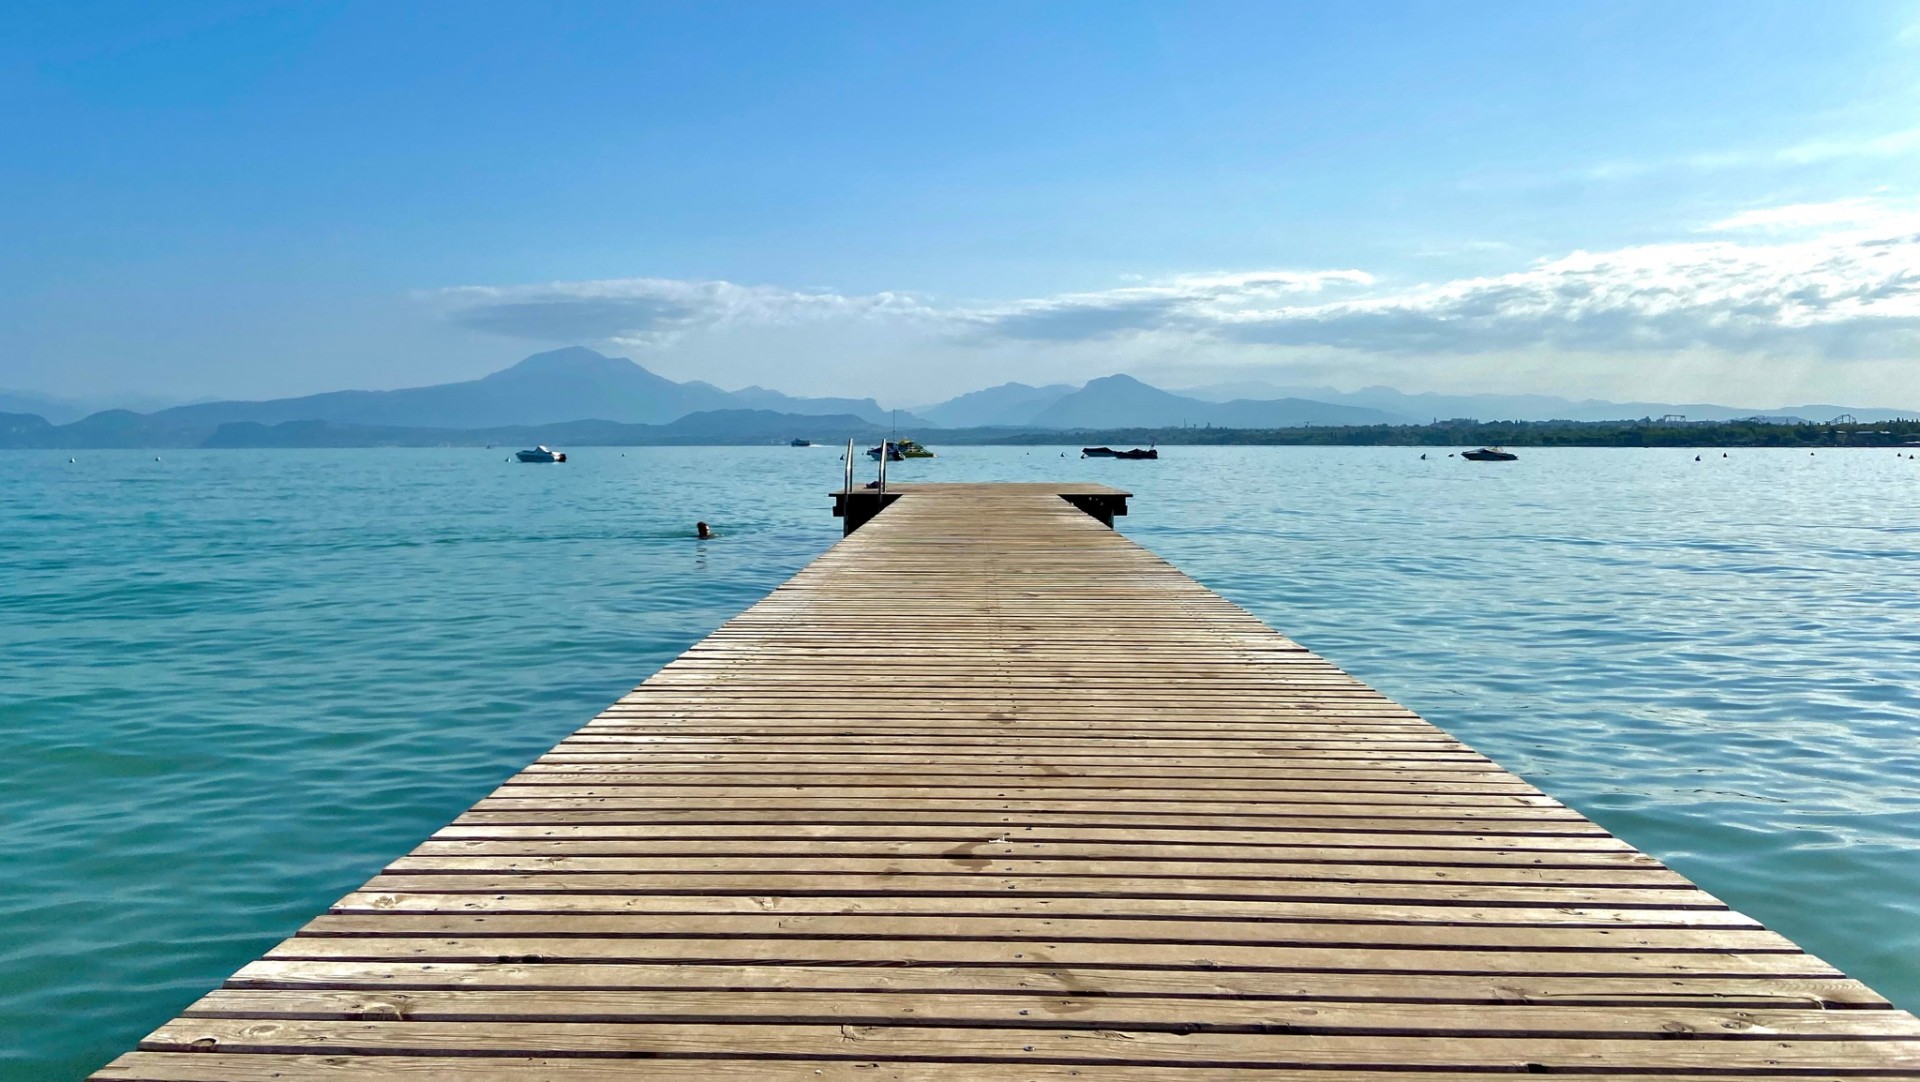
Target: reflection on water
{"x": 234, "y": 683}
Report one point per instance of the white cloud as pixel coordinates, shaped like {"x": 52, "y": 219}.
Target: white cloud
{"x": 652, "y": 311}
{"x": 1882, "y": 145}
{"x": 1868, "y": 216}
{"x": 1841, "y": 296}
{"x": 1795, "y": 216}
{"x": 1868, "y": 146}
{"x": 1186, "y": 301}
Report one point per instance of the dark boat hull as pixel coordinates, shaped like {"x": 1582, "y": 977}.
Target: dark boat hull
{"x": 1489, "y": 456}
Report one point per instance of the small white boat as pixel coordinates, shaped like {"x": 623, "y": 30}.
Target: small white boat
{"x": 541, "y": 454}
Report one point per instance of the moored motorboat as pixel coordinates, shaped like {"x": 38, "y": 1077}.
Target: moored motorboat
{"x": 1138, "y": 452}
{"x": 541, "y": 454}
{"x": 1490, "y": 454}
{"x": 1098, "y": 452}
{"x": 897, "y": 449}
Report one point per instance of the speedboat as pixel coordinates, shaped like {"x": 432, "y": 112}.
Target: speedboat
{"x": 797, "y": 442}
{"x": 1098, "y": 452}
{"x": 1150, "y": 452}
{"x": 899, "y": 449}
{"x": 1490, "y": 454}
{"x": 541, "y": 454}
{"x": 895, "y": 450}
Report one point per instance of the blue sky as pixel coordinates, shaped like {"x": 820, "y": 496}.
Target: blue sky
{"x": 1679, "y": 201}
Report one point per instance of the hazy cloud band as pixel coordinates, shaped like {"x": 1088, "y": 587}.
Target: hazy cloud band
{"x": 1839, "y": 280}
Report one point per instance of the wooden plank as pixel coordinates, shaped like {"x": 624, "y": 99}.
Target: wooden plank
{"x": 1157, "y": 1013}
{"x": 1453, "y": 821}
{"x": 1094, "y": 1047}
{"x": 1825, "y": 992}
{"x": 1423, "y": 891}
{"x": 984, "y": 849}
{"x": 780, "y": 770}
{"x": 1237, "y": 911}
{"x": 1386, "y": 932}
{"x": 972, "y": 863}
{"x": 216, "y": 1067}
{"x": 920, "y": 814}
{"x": 1362, "y": 954}
{"x": 1193, "y": 839}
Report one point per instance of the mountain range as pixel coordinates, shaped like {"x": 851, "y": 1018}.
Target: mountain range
{"x": 1125, "y": 402}
{"x": 1423, "y": 408}
{"x": 62, "y": 410}
{"x": 580, "y": 395}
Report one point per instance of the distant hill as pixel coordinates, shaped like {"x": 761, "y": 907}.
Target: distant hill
{"x": 1492, "y": 407}
{"x": 546, "y": 388}
{"x": 766, "y": 426}
{"x": 25, "y": 430}
{"x": 1125, "y": 402}
{"x": 60, "y": 411}
{"x": 25, "y": 403}
{"x": 1009, "y": 404}
{"x": 108, "y": 428}
{"x": 563, "y": 385}
{"x": 761, "y": 398}
{"x": 118, "y": 429}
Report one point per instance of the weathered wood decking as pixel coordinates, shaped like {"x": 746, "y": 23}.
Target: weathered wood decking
{"x": 989, "y": 792}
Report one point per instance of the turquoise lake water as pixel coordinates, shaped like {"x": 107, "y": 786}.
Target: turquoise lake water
{"x": 233, "y": 684}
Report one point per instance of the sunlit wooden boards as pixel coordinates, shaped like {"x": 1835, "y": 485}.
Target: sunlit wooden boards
{"x": 990, "y": 792}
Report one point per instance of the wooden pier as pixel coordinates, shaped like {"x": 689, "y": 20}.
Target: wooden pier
{"x": 989, "y": 792}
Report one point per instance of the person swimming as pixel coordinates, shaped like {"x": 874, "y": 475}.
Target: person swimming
{"x": 702, "y": 531}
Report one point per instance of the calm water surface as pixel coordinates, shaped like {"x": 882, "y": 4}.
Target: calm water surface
{"x": 233, "y": 684}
